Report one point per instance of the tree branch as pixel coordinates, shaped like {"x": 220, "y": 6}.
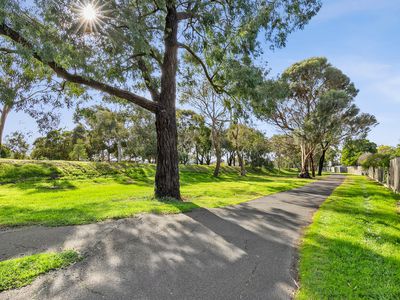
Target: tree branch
{"x": 184, "y": 15}
{"x": 7, "y": 50}
{"x": 217, "y": 87}
{"x": 63, "y": 73}
{"x": 148, "y": 80}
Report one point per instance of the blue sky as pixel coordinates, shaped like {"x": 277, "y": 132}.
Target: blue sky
{"x": 361, "y": 37}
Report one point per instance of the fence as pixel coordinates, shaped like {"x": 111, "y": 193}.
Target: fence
{"x": 389, "y": 177}
{"x": 338, "y": 169}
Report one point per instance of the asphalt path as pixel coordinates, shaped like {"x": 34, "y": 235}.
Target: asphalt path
{"x": 247, "y": 251}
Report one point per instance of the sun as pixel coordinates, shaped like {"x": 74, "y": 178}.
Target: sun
{"x": 89, "y": 13}
{"x": 90, "y": 16}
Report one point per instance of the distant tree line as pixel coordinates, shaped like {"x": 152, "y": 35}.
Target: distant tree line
{"x": 311, "y": 103}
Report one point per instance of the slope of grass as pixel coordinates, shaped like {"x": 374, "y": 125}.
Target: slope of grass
{"x": 66, "y": 193}
{"x": 18, "y": 272}
{"x": 352, "y": 250}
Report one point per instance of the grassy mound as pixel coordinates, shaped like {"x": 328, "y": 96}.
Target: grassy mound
{"x": 57, "y": 193}
{"x": 12, "y": 171}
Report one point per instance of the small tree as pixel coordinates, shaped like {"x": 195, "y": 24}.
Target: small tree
{"x": 397, "y": 151}
{"x": 107, "y": 128}
{"x": 215, "y": 111}
{"x": 56, "y": 145}
{"x": 245, "y": 139}
{"x": 17, "y": 144}
{"x": 190, "y": 125}
{"x": 286, "y": 153}
{"x": 353, "y": 149}
{"x": 376, "y": 160}
{"x": 78, "y": 151}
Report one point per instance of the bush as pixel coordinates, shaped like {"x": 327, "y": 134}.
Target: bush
{"x": 5, "y": 152}
{"x": 377, "y": 160}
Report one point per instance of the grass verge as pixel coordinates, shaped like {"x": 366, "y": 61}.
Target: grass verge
{"x": 18, "y": 272}
{"x": 352, "y": 250}
{"x": 67, "y": 193}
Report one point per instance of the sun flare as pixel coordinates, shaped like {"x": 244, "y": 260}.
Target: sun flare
{"x": 90, "y": 15}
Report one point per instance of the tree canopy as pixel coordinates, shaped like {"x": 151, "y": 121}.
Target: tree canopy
{"x": 133, "y": 46}
{"x": 314, "y": 102}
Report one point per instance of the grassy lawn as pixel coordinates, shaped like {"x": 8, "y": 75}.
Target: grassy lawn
{"x": 352, "y": 250}
{"x": 66, "y": 193}
{"x": 18, "y": 272}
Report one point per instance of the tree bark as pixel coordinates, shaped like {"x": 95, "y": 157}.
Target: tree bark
{"x": 305, "y": 157}
{"x": 3, "y": 117}
{"x": 312, "y": 165}
{"x": 167, "y": 174}
{"x": 228, "y": 159}
{"x": 321, "y": 162}
{"x": 119, "y": 149}
{"x": 218, "y": 152}
{"x": 241, "y": 164}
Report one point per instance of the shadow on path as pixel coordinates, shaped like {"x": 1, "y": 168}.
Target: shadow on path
{"x": 239, "y": 252}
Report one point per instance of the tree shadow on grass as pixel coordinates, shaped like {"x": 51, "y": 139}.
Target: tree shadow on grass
{"x": 237, "y": 252}
{"x": 48, "y": 186}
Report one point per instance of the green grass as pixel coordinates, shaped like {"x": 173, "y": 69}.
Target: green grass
{"x": 66, "y": 193}
{"x": 18, "y": 272}
{"x": 352, "y": 250}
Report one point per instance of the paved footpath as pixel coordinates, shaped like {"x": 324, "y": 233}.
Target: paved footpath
{"x": 246, "y": 251}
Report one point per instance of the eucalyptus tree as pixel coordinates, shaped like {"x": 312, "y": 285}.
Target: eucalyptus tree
{"x": 124, "y": 46}
{"x": 297, "y": 103}
{"x": 55, "y": 145}
{"x": 190, "y": 126}
{"x": 17, "y": 144}
{"x": 78, "y": 151}
{"x": 215, "y": 109}
{"x": 27, "y": 87}
{"x": 285, "y": 150}
{"x": 107, "y": 128}
{"x": 353, "y": 149}
{"x": 245, "y": 140}
{"x": 337, "y": 118}
{"x": 142, "y": 140}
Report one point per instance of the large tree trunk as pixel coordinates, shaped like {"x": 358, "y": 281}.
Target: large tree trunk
{"x": 321, "y": 162}
{"x": 167, "y": 174}
{"x": 3, "y": 117}
{"x": 305, "y": 160}
{"x": 312, "y": 165}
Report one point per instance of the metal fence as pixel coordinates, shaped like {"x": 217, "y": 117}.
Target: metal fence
{"x": 389, "y": 177}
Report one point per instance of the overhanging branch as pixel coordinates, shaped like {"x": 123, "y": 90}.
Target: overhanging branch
{"x": 216, "y": 87}
{"x": 63, "y": 73}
